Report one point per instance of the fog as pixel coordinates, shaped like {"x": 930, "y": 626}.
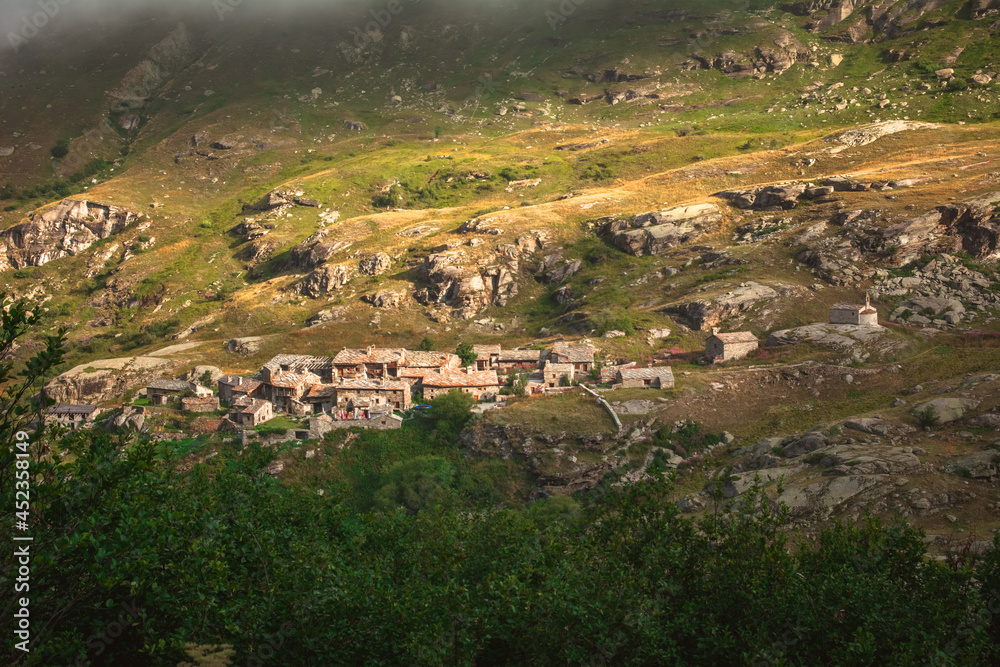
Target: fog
{"x": 22, "y": 20}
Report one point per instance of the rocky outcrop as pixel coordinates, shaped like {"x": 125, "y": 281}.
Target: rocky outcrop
{"x": 164, "y": 60}
{"x": 703, "y": 314}
{"x": 938, "y": 293}
{"x": 69, "y": 228}
{"x": 656, "y": 232}
{"x": 465, "y": 290}
{"x": 385, "y": 299}
{"x": 376, "y": 264}
{"x": 971, "y": 226}
{"x": 105, "y": 380}
{"x": 839, "y": 336}
{"x": 769, "y": 197}
{"x": 245, "y": 347}
{"x": 556, "y": 470}
{"x": 776, "y": 57}
{"x": 325, "y": 279}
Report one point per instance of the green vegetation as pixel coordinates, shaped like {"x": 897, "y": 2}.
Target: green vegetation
{"x": 412, "y": 556}
{"x": 466, "y": 353}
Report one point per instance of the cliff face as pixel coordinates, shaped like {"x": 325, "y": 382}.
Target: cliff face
{"x": 68, "y": 229}
{"x": 105, "y": 380}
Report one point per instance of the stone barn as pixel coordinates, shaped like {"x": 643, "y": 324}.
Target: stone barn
{"x": 160, "y": 391}
{"x": 553, "y": 373}
{"x": 653, "y": 378}
{"x": 729, "y": 346}
{"x": 858, "y": 314}
{"x": 71, "y": 416}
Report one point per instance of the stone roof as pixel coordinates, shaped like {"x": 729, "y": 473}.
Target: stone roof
{"x": 290, "y": 380}
{"x": 419, "y": 359}
{"x": 371, "y": 355}
{"x": 247, "y": 386}
{"x": 320, "y": 391}
{"x": 853, "y": 307}
{"x": 449, "y": 378}
{"x": 164, "y": 384}
{"x": 736, "y": 337}
{"x": 71, "y": 410}
{"x": 242, "y": 401}
{"x": 520, "y": 355}
{"x": 230, "y": 380}
{"x": 363, "y": 384}
{"x": 255, "y": 407}
{"x": 484, "y": 352}
{"x": 574, "y": 354}
{"x": 298, "y": 362}
{"x": 646, "y": 373}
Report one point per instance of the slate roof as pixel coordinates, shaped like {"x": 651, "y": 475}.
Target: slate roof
{"x": 255, "y": 407}
{"x": 563, "y": 369}
{"x": 520, "y": 355}
{"x": 320, "y": 391}
{"x": 447, "y": 378}
{"x": 247, "y": 386}
{"x": 646, "y": 373}
{"x": 300, "y": 362}
{"x": 230, "y": 380}
{"x": 363, "y": 384}
{"x": 290, "y": 380}
{"x": 419, "y": 359}
{"x": 164, "y": 384}
{"x": 736, "y": 337}
{"x": 574, "y": 354}
{"x": 71, "y": 410}
{"x": 372, "y": 355}
{"x": 484, "y": 352}
{"x": 853, "y": 307}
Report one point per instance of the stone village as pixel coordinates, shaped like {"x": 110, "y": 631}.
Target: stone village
{"x": 368, "y": 388}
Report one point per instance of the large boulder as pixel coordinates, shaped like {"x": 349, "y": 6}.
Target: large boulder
{"x": 376, "y": 264}
{"x": 946, "y": 409}
{"x": 656, "y": 232}
{"x": 325, "y": 279}
{"x": 385, "y": 299}
{"x": 245, "y": 347}
{"x": 703, "y": 314}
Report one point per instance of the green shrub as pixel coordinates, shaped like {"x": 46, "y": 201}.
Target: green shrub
{"x": 928, "y": 417}
{"x": 60, "y": 150}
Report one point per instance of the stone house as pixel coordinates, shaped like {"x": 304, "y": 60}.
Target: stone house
{"x": 250, "y": 412}
{"x": 299, "y": 363}
{"x": 251, "y": 388}
{"x": 728, "y": 346}
{"x": 372, "y": 362}
{"x": 321, "y": 397}
{"x": 522, "y": 360}
{"x": 390, "y": 393}
{"x": 855, "y": 313}
{"x": 580, "y": 356}
{"x": 487, "y": 357}
{"x": 481, "y": 385}
{"x": 71, "y": 416}
{"x": 609, "y": 374}
{"x": 160, "y": 391}
{"x": 287, "y": 387}
{"x": 225, "y": 387}
{"x": 194, "y": 404}
{"x": 553, "y": 373}
{"x": 661, "y": 377}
